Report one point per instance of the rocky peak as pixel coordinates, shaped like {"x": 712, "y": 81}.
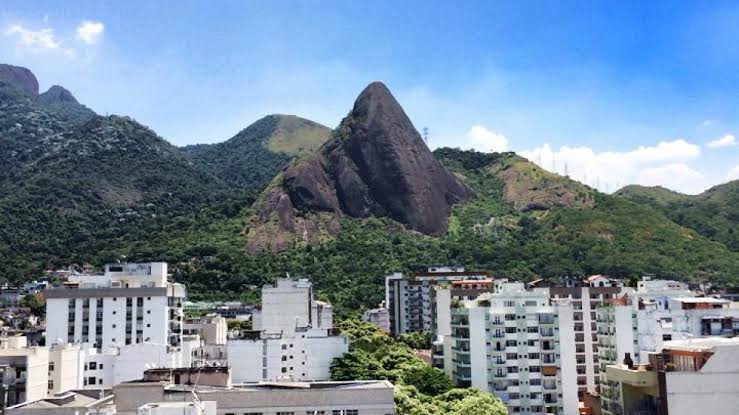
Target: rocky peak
{"x": 18, "y": 78}
{"x": 57, "y": 95}
{"x": 376, "y": 164}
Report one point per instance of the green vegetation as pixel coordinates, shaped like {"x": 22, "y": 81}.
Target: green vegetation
{"x": 420, "y": 388}
{"x": 110, "y": 187}
{"x": 713, "y": 213}
{"x": 36, "y": 303}
{"x": 234, "y": 324}
{"x": 295, "y": 136}
{"x": 419, "y": 340}
{"x": 253, "y": 157}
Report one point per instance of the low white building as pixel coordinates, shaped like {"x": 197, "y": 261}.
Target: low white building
{"x": 688, "y": 377}
{"x": 266, "y": 398}
{"x": 293, "y": 340}
{"x": 212, "y": 329}
{"x": 24, "y": 370}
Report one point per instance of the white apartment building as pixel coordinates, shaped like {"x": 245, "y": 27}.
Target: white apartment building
{"x": 123, "y": 321}
{"x": 657, "y": 313}
{"x": 24, "y": 371}
{"x": 411, "y": 299}
{"x": 212, "y": 329}
{"x": 585, "y": 300}
{"x": 128, "y": 304}
{"x": 291, "y": 341}
{"x": 289, "y": 304}
{"x": 688, "y": 377}
{"x": 444, "y": 296}
{"x": 515, "y": 344}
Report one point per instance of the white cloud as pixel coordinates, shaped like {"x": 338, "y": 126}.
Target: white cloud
{"x": 676, "y": 176}
{"x": 733, "y": 173}
{"x": 485, "y": 140}
{"x": 726, "y": 141}
{"x": 89, "y": 31}
{"x": 33, "y": 39}
{"x": 609, "y": 170}
{"x": 707, "y": 123}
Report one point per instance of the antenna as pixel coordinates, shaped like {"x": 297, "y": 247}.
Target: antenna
{"x": 567, "y": 173}
{"x": 426, "y": 135}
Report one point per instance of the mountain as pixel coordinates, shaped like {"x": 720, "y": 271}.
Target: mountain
{"x": 70, "y": 188}
{"x": 368, "y": 197}
{"x": 376, "y": 164}
{"x": 18, "y": 81}
{"x": 713, "y": 213}
{"x": 253, "y": 157}
{"x": 60, "y": 102}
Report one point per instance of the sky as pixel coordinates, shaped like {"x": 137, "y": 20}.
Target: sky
{"x": 611, "y": 93}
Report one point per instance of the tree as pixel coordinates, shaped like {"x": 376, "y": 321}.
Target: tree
{"x": 428, "y": 380}
{"x": 470, "y": 402}
{"x": 356, "y": 364}
{"x": 36, "y": 303}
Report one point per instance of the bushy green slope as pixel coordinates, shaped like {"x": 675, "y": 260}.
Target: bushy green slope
{"x": 253, "y": 157}
{"x": 713, "y": 213}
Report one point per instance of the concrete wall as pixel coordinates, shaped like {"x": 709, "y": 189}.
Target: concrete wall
{"x": 712, "y": 390}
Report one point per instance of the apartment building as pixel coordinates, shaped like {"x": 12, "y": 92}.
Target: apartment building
{"x": 597, "y": 291}
{"x": 516, "y": 344}
{"x": 124, "y": 320}
{"x": 128, "y": 304}
{"x": 380, "y": 317}
{"x": 447, "y": 295}
{"x": 411, "y": 299}
{"x": 291, "y": 339}
{"x": 687, "y": 377}
{"x": 23, "y": 371}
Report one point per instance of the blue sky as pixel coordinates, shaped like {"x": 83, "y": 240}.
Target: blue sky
{"x": 618, "y": 92}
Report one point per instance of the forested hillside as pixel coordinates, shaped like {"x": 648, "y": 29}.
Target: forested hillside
{"x": 76, "y": 188}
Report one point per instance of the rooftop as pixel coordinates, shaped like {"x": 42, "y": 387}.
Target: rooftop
{"x": 701, "y": 344}
{"x": 68, "y": 399}
{"x": 701, "y": 300}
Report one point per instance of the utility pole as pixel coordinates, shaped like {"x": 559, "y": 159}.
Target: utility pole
{"x": 426, "y": 135}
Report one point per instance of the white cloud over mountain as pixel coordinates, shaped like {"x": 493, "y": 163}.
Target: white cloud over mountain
{"x": 661, "y": 164}
{"x": 482, "y": 139}
{"x": 34, "y": 40}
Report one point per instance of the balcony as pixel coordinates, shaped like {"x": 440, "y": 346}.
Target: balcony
{"x": 638, "y": 377}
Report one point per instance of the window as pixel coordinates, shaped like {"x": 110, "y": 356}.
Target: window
{"x": 91, "y": 380}
{"x": 50, "y": 384}
{"x": 51, "y": 366}
{"x": 284, "y": 413}
{"x": 284, "y": 370}
{"x": 315, "y": 412}
{"x": 100, "y": 366}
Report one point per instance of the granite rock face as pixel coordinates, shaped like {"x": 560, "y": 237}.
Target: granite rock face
{"x": 18, "y": 78}
{"x": 376, "y": 164}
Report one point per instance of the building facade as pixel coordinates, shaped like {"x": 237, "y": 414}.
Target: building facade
{"x": 128, "y": 304}
{"x": 515, "y": 343}
{"x": 411, "y": 299}
{"x": 291, "y": 339}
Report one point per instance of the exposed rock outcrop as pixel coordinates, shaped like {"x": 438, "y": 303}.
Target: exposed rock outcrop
{"x": 376, "y": 164}
{"x": 18, "y": 78}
